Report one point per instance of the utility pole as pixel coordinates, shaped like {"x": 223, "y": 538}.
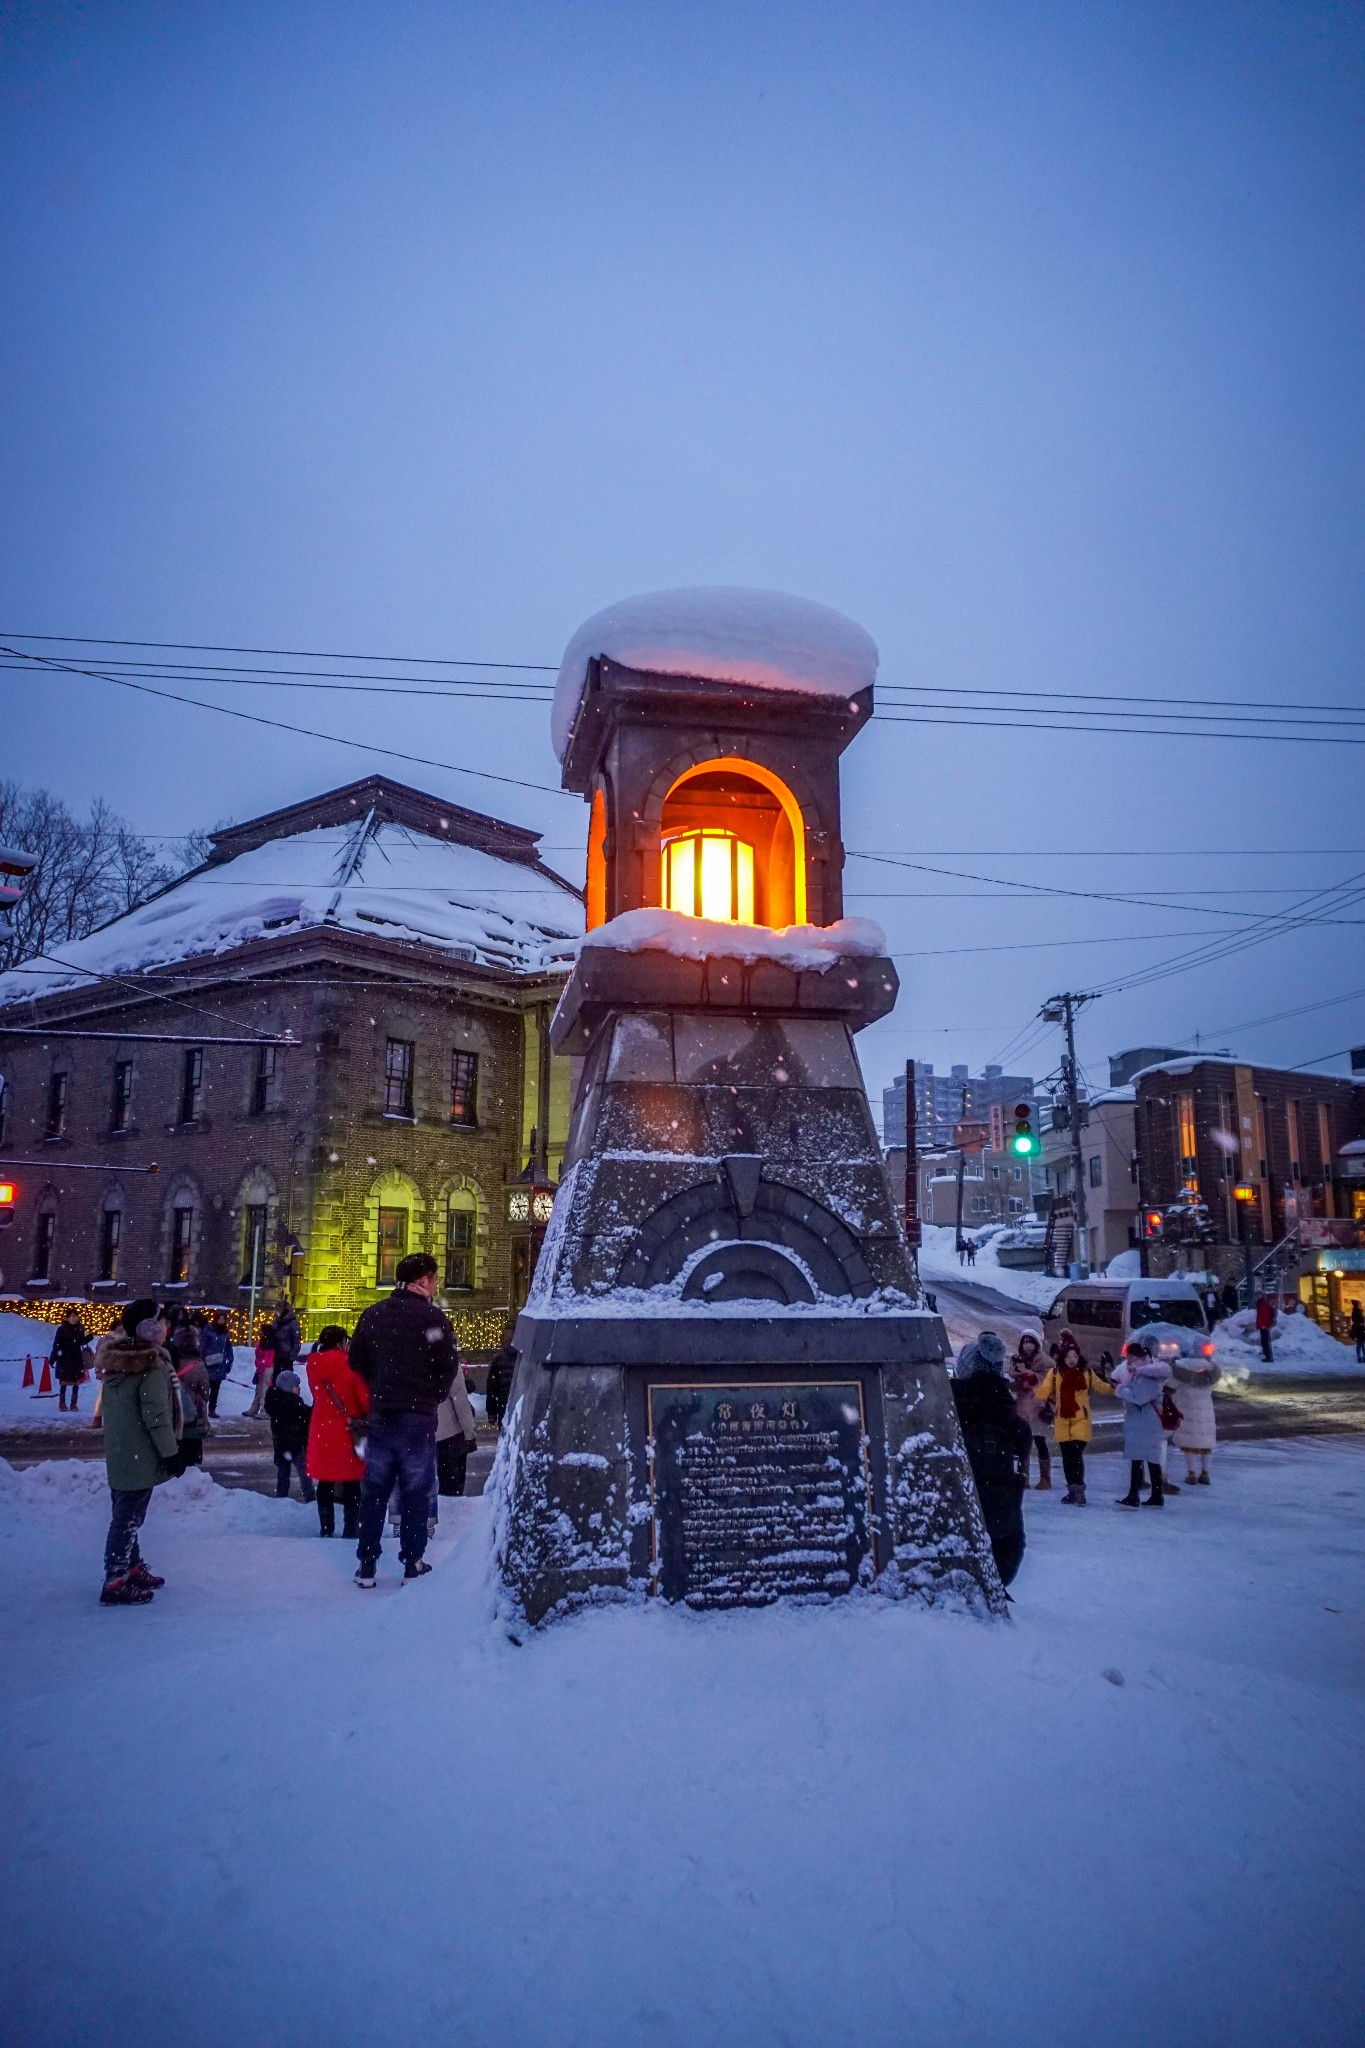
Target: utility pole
{"x": 913, "y": 1233}
{"x": 961, "y": 1171}
{"x": 1063, "y": 1010}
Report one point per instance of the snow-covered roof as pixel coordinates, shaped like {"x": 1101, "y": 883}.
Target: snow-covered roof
{"x": 725, "y": 633}
{"x": 1216, "y": 1059}
{"x": 376, "y": 877}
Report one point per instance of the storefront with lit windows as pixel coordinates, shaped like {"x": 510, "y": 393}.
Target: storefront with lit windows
{"x": 1329, "y": 1288}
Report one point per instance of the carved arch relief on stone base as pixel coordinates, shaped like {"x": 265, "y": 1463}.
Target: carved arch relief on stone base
{"x": 743, "y": 1238}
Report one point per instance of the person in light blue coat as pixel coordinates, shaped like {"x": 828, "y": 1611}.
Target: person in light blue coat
{"x": 1138, "y": 1384}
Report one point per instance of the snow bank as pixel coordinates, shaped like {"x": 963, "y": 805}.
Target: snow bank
{"x": 653, "y": 1829}
{"x": 66, "y": 1490}
{"x": 762, "y": 637}
{"x": 1301, "y": 1347}
{"x": 698, "y": 938}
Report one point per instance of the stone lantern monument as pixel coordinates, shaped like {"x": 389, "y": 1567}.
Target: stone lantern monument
{"x": 725, "y": 1392}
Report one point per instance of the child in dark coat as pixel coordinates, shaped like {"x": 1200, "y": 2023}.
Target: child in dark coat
{"x": 290, "y": 1416}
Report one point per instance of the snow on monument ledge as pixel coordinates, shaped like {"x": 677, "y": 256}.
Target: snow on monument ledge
{"x": 698, "y": 938}
{"x": 766, "y": 638}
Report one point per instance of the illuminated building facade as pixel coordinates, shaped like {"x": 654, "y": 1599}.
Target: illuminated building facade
{"x": 412, "y": 953}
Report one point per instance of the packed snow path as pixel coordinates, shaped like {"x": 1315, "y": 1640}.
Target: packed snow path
{"x": 270, "y": 1808}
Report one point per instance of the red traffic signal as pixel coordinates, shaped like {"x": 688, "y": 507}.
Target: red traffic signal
{"x": 1152, "y": 1221}
{"x": 7, "y": 1194}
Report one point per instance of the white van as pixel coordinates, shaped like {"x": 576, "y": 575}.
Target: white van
{"x": 1103, "y": 1314}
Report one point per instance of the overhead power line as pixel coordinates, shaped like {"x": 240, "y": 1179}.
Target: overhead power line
{"x": 280, "y": 653}
{"x": 941, "y": 704}
{"x": 303, "y": 731}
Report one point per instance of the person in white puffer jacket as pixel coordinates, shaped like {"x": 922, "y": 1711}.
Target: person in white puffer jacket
{"x": 1195, "y": 1380}
{"x": 1138, "y": 1384}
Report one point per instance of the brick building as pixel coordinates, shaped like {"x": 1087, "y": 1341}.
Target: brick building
{"x": 1203, "y": 1125}
{"x": 412, "y": 952}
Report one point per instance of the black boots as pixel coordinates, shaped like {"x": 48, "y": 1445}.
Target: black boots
{"x": 1133, "y": 1497}
{"x": 1157, "y": 1497}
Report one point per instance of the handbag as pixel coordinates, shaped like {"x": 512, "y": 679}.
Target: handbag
{"x": 356, "y": 1425}
{"x": 1171, "y": 1416}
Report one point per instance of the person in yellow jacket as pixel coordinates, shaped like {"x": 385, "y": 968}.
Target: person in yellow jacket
{"x": 1067, "y": 1389}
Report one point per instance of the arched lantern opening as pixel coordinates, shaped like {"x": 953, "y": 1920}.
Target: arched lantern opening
{"x": 732, "y": 846}
{"x": 595, "y": 894}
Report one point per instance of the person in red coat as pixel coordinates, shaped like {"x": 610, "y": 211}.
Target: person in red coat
{"x": 340, "y": 1397}
{"x": 1266, "y": 1313}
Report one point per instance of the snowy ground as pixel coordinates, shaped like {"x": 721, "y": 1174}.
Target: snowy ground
{"x": 938, "y": 1260}
{"x": 272, "y": 1809}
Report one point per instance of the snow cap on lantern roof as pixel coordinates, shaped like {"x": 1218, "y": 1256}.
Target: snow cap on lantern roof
{"x": 767, "y": 639}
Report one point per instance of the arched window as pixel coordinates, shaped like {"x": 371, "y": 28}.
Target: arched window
{"x": 733, "y": 845}
{"x": 461, "y": 1272}
{"x": 395, "y": 1217}
{"x": 110, "y": 1251}
{"x": 45, "y": 1240}
{"x": 181, "y": 1240}
{"x": 256, "y": 1216}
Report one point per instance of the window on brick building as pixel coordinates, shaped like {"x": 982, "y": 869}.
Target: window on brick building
{"x": 1187, "y": 1144}
{"x": 191, "y": 1084}
{"x": 182, "y": 1240}
{"x": 398, "y": 1065}
{"x": 263, "y": 1080}
{"x": 121, "y": 1111}
{"x": 464, "y": 1088}
{"x": 111, "y": 1238}
{"x": 57, "y": 1087}
{"x": 393, "y": 1244}
{"x": 44, "y": 1244}
{"x": 254, "y": 1219}
{"x": 460, "y": 1225}
{"x": 1292, "y": 1124}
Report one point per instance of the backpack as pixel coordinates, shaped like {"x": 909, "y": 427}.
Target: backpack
{"x": 992, "y": 1455}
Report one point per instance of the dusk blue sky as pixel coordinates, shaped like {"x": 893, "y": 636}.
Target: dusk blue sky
{"x": 1028, "y": 335}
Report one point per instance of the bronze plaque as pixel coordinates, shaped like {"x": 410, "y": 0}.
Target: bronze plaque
{"x": 759, "y": 1492}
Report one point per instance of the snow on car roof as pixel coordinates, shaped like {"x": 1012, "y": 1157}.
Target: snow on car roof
{"x": 381, "y": 879}
{"x": 766, "y": 638}
{"x": 1172, "y": 1288}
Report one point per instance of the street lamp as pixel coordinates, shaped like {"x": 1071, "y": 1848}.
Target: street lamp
{"x": 1244, "y": 1193}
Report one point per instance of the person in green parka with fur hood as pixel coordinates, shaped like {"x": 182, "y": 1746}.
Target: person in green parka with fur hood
{"x": 143, "y": 1420}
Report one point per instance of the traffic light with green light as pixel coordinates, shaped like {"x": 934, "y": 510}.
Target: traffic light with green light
{"x": 1024, "y": 1143}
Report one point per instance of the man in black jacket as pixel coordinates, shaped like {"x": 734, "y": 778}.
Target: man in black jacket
{"x": 404, "y": 1350}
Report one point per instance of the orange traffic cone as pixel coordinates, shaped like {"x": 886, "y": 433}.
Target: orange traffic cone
{"x": 45, "y": 1383}
{"x": 28, "y": 1370}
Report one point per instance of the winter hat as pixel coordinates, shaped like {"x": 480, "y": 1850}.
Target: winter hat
{"x": 137, "y": 1312}
{"x": 986, "y": 1353}
{"x": 288, "y": 1380}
